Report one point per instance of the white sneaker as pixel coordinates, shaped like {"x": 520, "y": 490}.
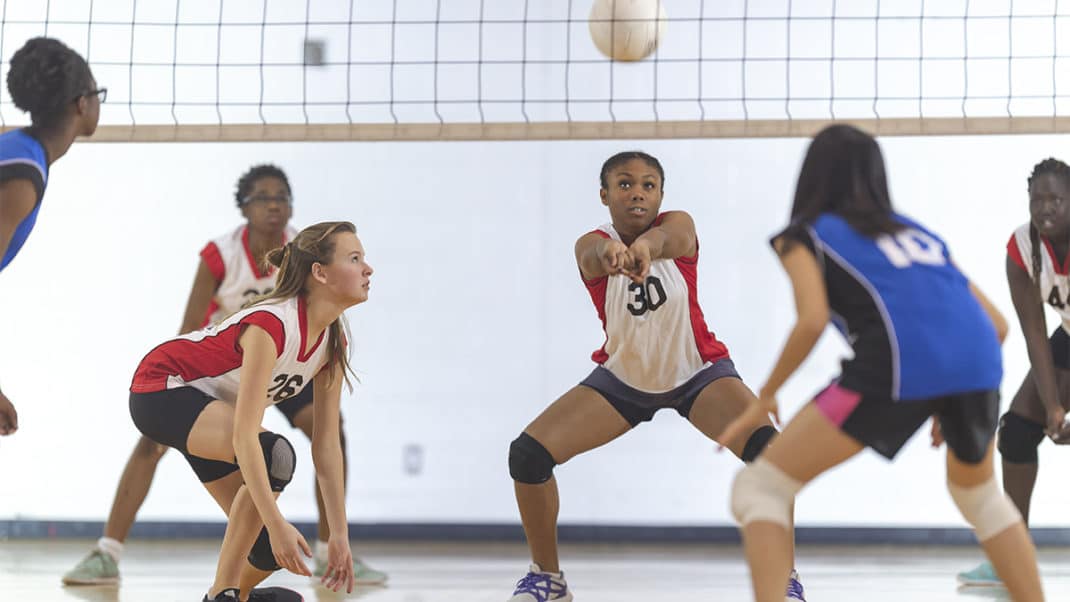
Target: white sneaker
{"x": 541, "y": 586}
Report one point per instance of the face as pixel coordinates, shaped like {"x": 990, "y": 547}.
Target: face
{"x": 633, "y": 197}
{"x": 268, "y": 207}
{"x": 348, "y": 275}
{"x": 89, "y": 110}
{"x": 1049, "y": 206}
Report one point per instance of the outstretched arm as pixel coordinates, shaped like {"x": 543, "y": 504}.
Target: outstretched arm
{"x": 330, "y": 468}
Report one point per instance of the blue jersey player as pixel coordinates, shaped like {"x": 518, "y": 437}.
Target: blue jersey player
{"x": 55, "y": 86}
{"x": 926, "y": 343}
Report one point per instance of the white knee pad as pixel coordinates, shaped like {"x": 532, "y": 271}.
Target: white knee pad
{"x": 985, "y": 507}
{"x": 762, "y": 492}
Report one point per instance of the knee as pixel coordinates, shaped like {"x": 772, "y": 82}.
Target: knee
{"x": 1019, "y": 438}
{"x": 985, "y": 507}
{"x": 757, "y": 442}
{"x": 149, "y": 450}
{"x": 261, "y": 556}
{"x": 529, "y": 462}
{"x": 280, "y": 459}
{"x": 763, "y": 492}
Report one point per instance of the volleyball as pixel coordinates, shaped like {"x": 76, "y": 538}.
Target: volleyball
{"x": 627, "y": 30}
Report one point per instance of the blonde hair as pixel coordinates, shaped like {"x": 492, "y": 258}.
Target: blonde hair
{"x": 314, "y": 244}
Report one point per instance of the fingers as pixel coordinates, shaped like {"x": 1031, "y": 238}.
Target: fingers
{"x": 339, "y": 575}
{"x": 304, "y": 546}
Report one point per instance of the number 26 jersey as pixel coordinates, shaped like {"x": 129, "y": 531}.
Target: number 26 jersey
{"x": 209, "y": 360}
{"x": 656, "y": 335}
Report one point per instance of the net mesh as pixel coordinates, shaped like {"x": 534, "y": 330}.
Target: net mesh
{"x": 278, "y": 69}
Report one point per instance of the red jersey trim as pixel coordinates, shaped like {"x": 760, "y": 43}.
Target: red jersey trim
{"x": 302, "y": 320}
{"x": 214, "y": 260}
{"x": 271, "y": 324}
{"x": 709, "y": 348}
{"x": 1014, "y": 253}
{"x": 597, "y": 290}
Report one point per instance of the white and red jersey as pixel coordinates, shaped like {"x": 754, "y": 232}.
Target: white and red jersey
{"x": 240, "y": 279}
{"x": 656, "y": 336}
{"x": 209, "y": 359}
{"x": 1054, "y": 282}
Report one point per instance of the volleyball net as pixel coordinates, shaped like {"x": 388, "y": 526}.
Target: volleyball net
{"x": 215, "y": 70}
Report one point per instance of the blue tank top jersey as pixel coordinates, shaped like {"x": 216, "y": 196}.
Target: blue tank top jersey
{"x": 22, "y": 156}
{"x": 916, "y": 329}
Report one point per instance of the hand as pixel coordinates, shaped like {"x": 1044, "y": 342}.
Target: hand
{"x": 638, "y": 266}
{"x": 1056, "y": 423}
{"x": 755, "y": 414}
{"x": 339, "y": 565}
{"x": 9, "y": 418}
{"x": 614, "y": 256}
{"x": 287, "y": 544}
{"x": 936, "y": 435}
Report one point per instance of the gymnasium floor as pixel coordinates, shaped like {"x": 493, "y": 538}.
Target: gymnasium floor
{"x": 157, "y": 571}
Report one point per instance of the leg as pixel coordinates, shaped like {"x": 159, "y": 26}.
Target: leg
{"x": 1000, "y": 530}
{"x": 580, "y": 420}
{"x": 763, "y": 491}
{"x": 1020, "y": 432}
{"x": 721, "y": 402}
{"x": 133, "y": 487}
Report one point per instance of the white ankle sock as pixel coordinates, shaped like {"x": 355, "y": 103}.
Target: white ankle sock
{"x": 111, "y": 547}
{"x": 320, "y": 551}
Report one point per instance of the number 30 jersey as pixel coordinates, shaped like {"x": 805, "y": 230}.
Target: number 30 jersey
{"x": 210, "y": 359}
{"x": 656, "y": 336}
{"x": 1054, "y": 282}
{"x": 916, "y": 329}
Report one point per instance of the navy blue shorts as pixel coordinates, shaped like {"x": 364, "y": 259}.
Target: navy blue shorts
{"x": 1060, "y": 348}
{"x": 292, "y": 406}
{"x": 638, "y": 406}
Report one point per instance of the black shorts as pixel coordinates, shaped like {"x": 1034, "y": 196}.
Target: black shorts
{"x": 292, "y": 406}
{"x": 167, "y": 417}
{"x": 968, "y": 420}
{"x": 638, "y": 406}
{"x": 1060, "y": 348}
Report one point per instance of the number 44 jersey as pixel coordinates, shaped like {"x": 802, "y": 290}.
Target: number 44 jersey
{"x": 1054, "y": 282}
{"x": 210, "y": 359}
{"x": 916, "y": 329}
{"x": 656, "y": 336}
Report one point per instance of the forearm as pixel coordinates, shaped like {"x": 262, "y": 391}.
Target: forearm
{"x": 1043, "y": 371}
{"x": 330, "y": 469}
{"x": 254, "y": 472}
{"x": 800, "y": 342}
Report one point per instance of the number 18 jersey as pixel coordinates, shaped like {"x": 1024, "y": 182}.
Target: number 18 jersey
{"x": 656, "y": 336}
{"x": 916, "y": 329}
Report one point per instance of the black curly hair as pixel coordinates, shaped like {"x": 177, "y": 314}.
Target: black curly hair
{"x": 1060, "y": 170}
{"x": 622, "y": 158}
{"x": 256, "y": 172}
{"x": 45, "y": 77}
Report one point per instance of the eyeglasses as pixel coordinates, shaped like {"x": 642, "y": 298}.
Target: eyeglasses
{"x": 101, "y": 92}
{"x": 264, "y": 198}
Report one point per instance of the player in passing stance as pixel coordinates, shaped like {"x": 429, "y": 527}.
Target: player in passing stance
{"x": 232, "y": 272}
{"x": 641, "y": 273}
{"x": 1037, "y": 269}
{"x": 54, "y": 85}
{"x": 205, "y": 394}
{"x": 926, "y": 343}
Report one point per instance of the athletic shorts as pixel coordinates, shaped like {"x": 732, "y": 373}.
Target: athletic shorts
{"x": 167, "y": 417}
{"x": 638, "y": 406}
{"x": 968, "y": 420}
{"x": 292, "y": 406}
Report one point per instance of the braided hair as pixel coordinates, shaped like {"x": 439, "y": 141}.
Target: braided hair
{"x": 45, "y": 77}
{"x": 1060, "y": 170}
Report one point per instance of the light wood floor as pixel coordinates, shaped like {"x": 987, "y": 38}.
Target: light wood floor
{"x": 160, "y": 571}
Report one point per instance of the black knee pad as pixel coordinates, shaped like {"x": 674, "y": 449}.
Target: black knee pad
{"x": 260, "y": 556}
{"x": 280, "y": 459}
{"x": 757, "y": 442}
{"x": 529, "y": 462}
{"x": 1019, "y": 438}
